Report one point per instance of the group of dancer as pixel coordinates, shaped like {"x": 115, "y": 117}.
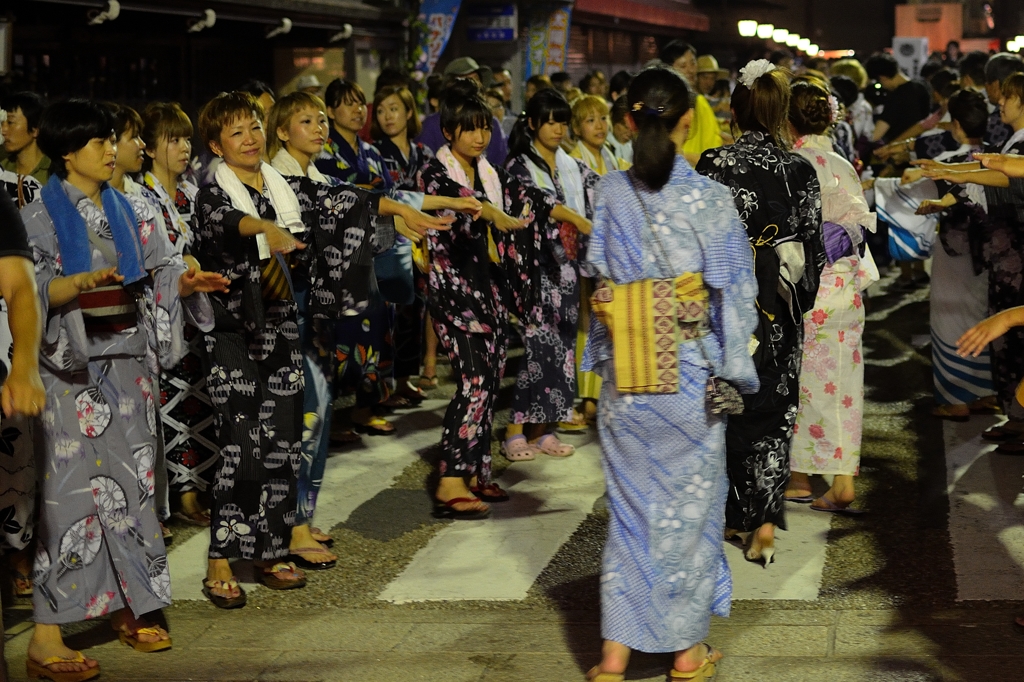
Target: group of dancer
{"x": 709, "y": 317}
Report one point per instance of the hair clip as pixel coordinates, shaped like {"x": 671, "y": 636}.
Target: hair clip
{"x": 638, "y": 106}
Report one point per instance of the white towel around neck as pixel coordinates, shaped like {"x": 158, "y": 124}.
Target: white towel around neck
{"x": 282, "y": 198}
{"x": 289, "y": 165}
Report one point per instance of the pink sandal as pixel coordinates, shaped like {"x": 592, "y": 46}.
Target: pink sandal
{"x": 550, "y": 445}
{"x": 518, "y": 449}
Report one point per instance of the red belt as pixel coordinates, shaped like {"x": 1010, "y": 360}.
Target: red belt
{"x": 108, "y": 310}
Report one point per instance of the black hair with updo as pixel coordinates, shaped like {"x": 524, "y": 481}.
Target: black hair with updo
{"x": 810, "y": 111}
{"x": 765, "y": 106}
{"x": 657, "y": 98}
{"x": 462, "y": 108}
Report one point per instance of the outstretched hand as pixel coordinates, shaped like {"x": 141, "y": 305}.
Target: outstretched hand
{"x": 930, "y": 206}
{"x": 87, "y": 281}
{"x": 1011, "y": 165}
{"x": 417, "y": 223}
{"x": 280, "y": 240}
{"x": 977, "y": 338}
{"x": 201, "y": 281}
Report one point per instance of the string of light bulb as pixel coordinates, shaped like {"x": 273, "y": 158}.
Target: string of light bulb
{"x": 749, "y": 28}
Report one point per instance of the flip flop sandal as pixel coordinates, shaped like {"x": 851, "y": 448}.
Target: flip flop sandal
{"x": 42, "y": 670}
{"x": 270, "y": 580}
{"x": 413, "y": 393}
{"x": 578, "y": 423}
{"x": 551, "y": 446}
{"x": 801, "y": 499}
{"x": 942, "y": 412}
{"x": 196, "y": 518}
{"x": 833, "y": 508}
{"x": 220, "y": 601}
{"x": 705, "y": 672}
{"x": 518, "y": 449}
{"x": 447, "y": 510}
{"x": 428, "y": 383}
{"x": 986, "y": 406}
{"x": 322, "y": 537}
{"x": 595, "y": 675}
{"x": 997, "y": 434}
{"x": 301, "y": 561}
{"x": 1011, "y": 447}
{"x": 397, "y": 402}
{"x": 491, "y": 492}
{"x": 374, "y": 427}
{"x": 132, "y": 640}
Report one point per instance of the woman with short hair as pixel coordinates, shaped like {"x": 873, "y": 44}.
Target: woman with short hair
{"x": 111, "y": 284}
{"x": 254, "y": 227}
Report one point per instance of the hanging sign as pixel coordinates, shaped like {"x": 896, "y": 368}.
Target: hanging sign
{"x": 547, "y": 42}
{"x": 437, "y": 18}
{"x": 492, "y": 23}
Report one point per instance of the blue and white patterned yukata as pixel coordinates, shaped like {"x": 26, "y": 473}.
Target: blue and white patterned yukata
{"x": 664, "y": 570}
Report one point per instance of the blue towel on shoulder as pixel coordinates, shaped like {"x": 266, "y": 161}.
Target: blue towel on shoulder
{"x": 75, "y": 252}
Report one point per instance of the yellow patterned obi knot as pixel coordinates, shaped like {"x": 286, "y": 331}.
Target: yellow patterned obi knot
{"x": 647, "y": 321}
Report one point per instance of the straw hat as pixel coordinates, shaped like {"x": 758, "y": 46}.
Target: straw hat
{"x": 707, "y": 63}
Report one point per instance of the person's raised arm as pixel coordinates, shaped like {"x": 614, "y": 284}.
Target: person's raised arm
{"x": 988, "y": 178}
{"x": 279, "y": 241}
{"x": 23, "y": 391}
{"x": 975, "y": 339}
{"x": 1011, "y": 165}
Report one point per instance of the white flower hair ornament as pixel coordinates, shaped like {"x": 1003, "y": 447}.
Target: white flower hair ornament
{"x": 754, "y": 70}
{"x": 833, "y": 104}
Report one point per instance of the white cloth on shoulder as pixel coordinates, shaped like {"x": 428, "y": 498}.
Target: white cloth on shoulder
{"x": 289, "y": 165}
{"x": 282, "y": 198}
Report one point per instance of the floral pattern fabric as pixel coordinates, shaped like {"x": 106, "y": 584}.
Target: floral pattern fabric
{"x": 469, "y": 299}
{"x": 546, "y": 384}
{"x": 664, "y": 572}
{"x": 778, "y": 198}
{"x": 827, "y": 434}
{"x": 402, "y": 170}
{"x": 99, "y": 543}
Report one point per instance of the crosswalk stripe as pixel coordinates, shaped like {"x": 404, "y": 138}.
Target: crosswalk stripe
{"x": 986, "y": 514}
{"x": 549, "y": 499}
{"x": 351, "y": 478}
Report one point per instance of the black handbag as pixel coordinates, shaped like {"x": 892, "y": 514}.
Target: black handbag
{"x": 720, "y": 396}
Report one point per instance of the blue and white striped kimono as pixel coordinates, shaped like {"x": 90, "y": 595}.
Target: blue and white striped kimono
{"x": 664, "y": 570}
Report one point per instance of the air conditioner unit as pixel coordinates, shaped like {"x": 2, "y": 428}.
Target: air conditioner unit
{"x": 911, "y": 54}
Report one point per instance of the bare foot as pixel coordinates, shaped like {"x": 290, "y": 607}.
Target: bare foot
{"x": 452, "y": 487}
{"x": 124, "y": 621}
{"x": 694, "y": 657}
{"x": 47, "y": 643}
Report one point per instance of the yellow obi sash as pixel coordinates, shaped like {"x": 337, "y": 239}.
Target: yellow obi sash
{"x": 647, "y": 321}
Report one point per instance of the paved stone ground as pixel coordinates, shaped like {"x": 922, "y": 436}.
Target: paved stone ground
{"x": 891, "y": 603}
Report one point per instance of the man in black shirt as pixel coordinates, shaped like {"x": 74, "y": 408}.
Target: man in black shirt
{"x": 907, "y": 103}
{"x": 22, "y": 392}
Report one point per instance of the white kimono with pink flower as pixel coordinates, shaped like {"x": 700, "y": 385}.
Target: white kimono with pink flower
{"x": 827, "y": 435}
{"x": 99, "y": 544}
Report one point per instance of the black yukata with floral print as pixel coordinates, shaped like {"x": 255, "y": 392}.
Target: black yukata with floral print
{"x": 779, "y": 201}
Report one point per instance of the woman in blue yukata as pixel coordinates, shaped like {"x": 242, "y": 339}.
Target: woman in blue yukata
{"x": 664, "y": 572}
{"x": 365, "y": 348}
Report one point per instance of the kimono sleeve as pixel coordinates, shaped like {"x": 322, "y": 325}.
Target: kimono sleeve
{"x": 168, "y": 310}
{"x": 809, "y": 232}
{"x": 64, "y": 346}
{"x": 732, "y": 291}
{"x": 221, "y": 247}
